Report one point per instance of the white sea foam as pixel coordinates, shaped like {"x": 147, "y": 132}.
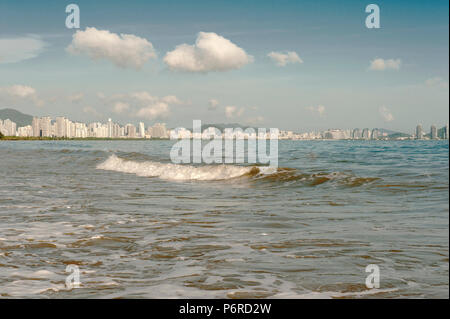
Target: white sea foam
{"x": 169, "y": 171}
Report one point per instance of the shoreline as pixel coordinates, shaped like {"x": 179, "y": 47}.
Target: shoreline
{"x": 22, "y": 138}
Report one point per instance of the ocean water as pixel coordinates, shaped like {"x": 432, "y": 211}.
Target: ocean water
{"x": 138, "y": 226}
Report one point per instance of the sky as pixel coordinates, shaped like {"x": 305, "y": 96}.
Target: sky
{"x": 294, "y": 65}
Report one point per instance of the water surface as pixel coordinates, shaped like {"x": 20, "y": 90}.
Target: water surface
{"x": 138, "y": 226}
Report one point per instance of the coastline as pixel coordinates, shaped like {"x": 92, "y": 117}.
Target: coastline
{"x": 23, "y": 138}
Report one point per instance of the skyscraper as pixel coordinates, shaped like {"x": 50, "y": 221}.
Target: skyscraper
{"x": 433, "y": 132}
{"x": 9, "y": 127}
{"x": 159, "y": 130}
{"x": 366, "y": 134}
{"x": 446, "y": 132}
{"x": 36, "y": 127}
{"x": 356, "y": 133}
{"x": 375, "y": 134}
{"x": 131, "y": 130}
{"x": 141, "y": 130}
{"x": 419, "y": 132}
{"x": 110, "y": 128}
{"x": 45, "y": 124}
{"x": 60, "y": 126}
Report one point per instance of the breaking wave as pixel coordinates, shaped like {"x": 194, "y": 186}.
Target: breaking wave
{"x": 169, "y": 171}
{"x": 179, "y": 172}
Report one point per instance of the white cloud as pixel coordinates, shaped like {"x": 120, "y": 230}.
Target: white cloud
{"x": 141, "y": 104}
{"x": 171, "y": 99}
{"x": 213, "y": 104}
{"x": 320, "y": 109}
{"x": 124, "y": 50}
{"x": 386, "y": 114}
{"x": 154, "y": 111}
{"x": 144, "y": 96}
{"x": 211, "y": 52}
{"x": 119, "y": 107}
{"x": 282, "y": 59}
{"x": 382, "y": 64}
{"x": 14, "y": 50}
{"x": 17, "y": 93}
{"x": 21, "y": 91}
{"x": 437, "y": 82}
{"x": 233, "y": 111}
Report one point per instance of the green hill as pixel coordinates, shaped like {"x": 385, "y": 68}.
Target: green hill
{"x": 16, "y": 116}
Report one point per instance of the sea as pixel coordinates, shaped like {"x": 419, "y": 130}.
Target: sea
{"x": 117, "y": 219}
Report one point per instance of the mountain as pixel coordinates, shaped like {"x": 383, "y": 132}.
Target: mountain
{"x": 16, "y": 116}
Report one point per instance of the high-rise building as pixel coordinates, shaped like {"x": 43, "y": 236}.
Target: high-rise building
{"x": 375, "y": 134}
{"x": 366, "y": 134}
{"x": 433, "y": 132}
{"x": 8, "y": 128}
{"x": 130, "y": 130}
{"x": 45, "y": 124}
{"x": 60, "y": 126}
{"x": 356, "y": 134}
{"x": 25, "y": 131}
{"x": 141, "y": 130}
{"x": 419, "y": 132}
{"x": 446, "y": 132}
{"x": 159, "y": 130}
{"x": 110, "y": 128}
{"x": 36, "y": 127}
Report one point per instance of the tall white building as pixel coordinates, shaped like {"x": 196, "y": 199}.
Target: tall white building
{"x": 45, "y": 125}
{"x": 158, "y": 130}
{"x": 141, "y": 130}
{"x": 36, "y": 127}
{"x": 110, "y": 128}
{"x": 419, "y": 132}
{"x": 366, "y": 134}
{"x": 131, "y": 130}
{"x": 8, "y": 128}
{"x": 356, "y": 134}
{"x": 25, "y": 131}
{"x": 60, "y": 126}
{"x": 433, "y": 132}
{"x": 375, "y": 134}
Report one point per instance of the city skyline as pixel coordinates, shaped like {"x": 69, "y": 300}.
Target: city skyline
{"x": 292, "y": 64}
{"x": 62, "y": 127}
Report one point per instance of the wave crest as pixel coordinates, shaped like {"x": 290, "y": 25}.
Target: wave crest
{"x": 282, "y": 175}
{"x": 169, "y": 171}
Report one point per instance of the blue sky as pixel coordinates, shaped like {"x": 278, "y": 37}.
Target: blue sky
{"x": 333, "y": 87}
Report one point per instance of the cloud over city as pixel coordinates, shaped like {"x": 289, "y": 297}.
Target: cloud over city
{"x": 124, "y": 50}
{"x": 19, "y": 93}
{"x": 17, "y": 49}
{"x": 211, "y": 52}
{"x": 141, "y": 104}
